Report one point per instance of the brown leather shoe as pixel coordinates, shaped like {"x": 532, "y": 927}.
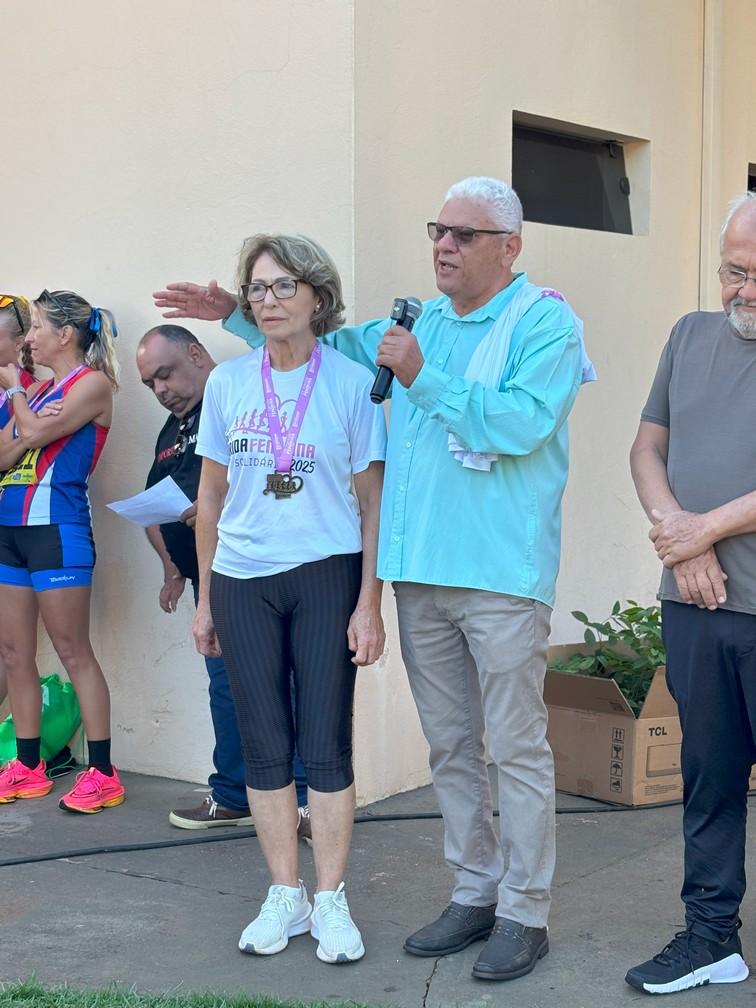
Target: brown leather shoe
{"x": 457, "y": 927}
{"x": 209, "y": 813}
{"x": 304, "y": 826}
{"x": 512, "y": 951}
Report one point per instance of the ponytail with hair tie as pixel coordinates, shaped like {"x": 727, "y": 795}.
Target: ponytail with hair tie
{"x": 95, "y": 324}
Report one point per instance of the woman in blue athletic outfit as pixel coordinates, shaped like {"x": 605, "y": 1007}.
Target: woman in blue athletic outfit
{"x": 46, "y": 547}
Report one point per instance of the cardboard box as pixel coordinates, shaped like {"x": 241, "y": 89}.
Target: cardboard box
{"x": 601, "y": 750}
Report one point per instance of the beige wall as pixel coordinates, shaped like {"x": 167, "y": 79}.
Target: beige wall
{"x": 446, "y": 97}
{"x": 142, "y": 141}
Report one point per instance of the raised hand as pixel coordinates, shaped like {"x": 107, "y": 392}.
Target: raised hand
{"x": 189, "y": 300}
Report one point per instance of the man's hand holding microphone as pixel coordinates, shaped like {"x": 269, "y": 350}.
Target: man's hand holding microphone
{"x": 398, "y": 352}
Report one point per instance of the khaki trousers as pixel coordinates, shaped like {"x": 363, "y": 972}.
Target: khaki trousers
{"x": 476, "y": 662}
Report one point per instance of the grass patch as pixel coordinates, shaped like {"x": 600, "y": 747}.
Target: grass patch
{"x": 31, "y": 994}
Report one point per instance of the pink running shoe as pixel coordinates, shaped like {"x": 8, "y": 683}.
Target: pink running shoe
{"x": 18, "y": 781}
{"x": 93, "y": 792}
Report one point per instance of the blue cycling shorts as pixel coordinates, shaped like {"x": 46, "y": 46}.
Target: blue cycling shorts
{"x": 44, "y": 557}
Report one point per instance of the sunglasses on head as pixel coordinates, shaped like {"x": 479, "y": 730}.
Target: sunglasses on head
{"x": 56, "y": 302}
{"x": 11, "y": 300}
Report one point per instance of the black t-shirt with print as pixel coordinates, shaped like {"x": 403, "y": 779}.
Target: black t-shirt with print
{"x": 185, "y": 469}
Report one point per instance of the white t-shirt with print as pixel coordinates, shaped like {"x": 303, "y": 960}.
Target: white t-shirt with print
{"x": 342, "y": 433}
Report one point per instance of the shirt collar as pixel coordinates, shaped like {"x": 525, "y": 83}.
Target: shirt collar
{"x": 491, "y": 309}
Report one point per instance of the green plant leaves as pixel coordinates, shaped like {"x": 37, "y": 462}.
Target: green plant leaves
{"x": 627, "y": 647}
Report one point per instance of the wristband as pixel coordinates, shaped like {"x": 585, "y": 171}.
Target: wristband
{"x": 16, "y": 388}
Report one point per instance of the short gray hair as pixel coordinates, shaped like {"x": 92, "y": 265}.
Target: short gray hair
{"x": 506, "y": 209}
{"x": 744, "y": 199}
{"x": 305, "y": 260}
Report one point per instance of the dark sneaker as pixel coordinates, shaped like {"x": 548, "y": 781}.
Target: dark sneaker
{"x": 690, "y": 961}
{"x": 209, "y": 813}
{"x": 304, "y": 826}
{"x": 457, "y": 927}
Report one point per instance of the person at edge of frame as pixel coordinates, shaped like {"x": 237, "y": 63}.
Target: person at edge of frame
{"x": 693, "y": 462}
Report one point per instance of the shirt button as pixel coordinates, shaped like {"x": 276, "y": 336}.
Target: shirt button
{"x": 440, "y": 360}
{"x": 396, "y": 538}
{"x": 408, "y": 444}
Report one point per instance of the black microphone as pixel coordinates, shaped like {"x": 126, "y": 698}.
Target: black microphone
{"x": 405, "y": 312}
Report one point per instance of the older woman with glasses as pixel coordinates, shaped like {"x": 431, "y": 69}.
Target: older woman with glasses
{"x": 46, "y": 547}
{"x": 286, "y": 538}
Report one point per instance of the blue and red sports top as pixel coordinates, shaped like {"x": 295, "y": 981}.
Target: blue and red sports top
{"x": 48, "y": 486}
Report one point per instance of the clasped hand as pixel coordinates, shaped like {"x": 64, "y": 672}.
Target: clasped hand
{"x": 684, "y": 546}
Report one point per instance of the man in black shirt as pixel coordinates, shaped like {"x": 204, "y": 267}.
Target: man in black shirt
{"x": 175, "y": 366}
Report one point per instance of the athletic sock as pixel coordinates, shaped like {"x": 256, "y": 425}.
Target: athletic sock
{"x": 99, "y": 756}
{"x": 28, "y": 751}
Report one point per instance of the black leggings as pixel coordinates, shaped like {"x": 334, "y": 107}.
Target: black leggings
{"x": 291, "y": 625}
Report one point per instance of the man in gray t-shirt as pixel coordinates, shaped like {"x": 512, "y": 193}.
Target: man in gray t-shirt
{"x": 694, "y": 466}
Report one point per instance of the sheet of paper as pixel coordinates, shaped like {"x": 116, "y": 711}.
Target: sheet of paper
{"x": 162, "y": 503}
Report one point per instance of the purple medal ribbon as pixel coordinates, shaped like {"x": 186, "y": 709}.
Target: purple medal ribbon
{"x": 283, "y": 447}
{"x": 36, "y": 402}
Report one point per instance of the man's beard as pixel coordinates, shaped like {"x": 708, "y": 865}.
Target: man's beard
{"x": 744, "y": 327}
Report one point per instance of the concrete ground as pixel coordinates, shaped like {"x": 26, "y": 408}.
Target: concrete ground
{"x": 123, "y": 896}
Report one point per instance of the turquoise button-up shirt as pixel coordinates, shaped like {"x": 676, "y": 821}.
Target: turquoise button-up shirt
{"x": 441, "y": 523}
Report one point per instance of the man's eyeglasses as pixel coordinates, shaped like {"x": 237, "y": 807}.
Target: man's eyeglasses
{"x": 733, "y": 277}
{"x": 183, "y": 434}
{"x": 10, "y": 300}
{"x": 282, "y": 289}
{"x": 461, "y": 235}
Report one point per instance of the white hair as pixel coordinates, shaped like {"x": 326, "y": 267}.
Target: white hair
{"x": 744, "y": 199}
{"x": 506, "y": 209}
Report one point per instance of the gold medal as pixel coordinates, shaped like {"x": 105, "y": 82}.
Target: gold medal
{"x": 283, "y": 485}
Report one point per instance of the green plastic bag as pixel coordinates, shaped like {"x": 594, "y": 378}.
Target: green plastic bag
{"x": 60, "y": 719}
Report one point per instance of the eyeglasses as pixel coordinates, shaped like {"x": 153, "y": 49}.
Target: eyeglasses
{"x": 183, "y": 434}
{"x": 282, "y": 289}
{"x": 10, "y": 300}
{"x": 461, "y": 235}
{"x": 733, "y": 277}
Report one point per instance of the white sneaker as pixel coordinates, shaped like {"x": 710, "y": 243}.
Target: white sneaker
{"x": 332, "y": 925}
{"x": 284, "y": 914}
